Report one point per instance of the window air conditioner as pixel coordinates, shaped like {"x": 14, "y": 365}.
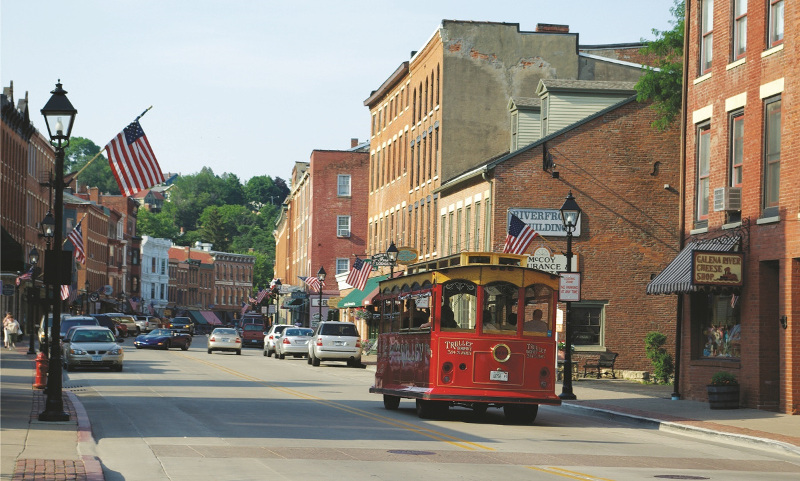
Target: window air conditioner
{"x": 728, "y": 198}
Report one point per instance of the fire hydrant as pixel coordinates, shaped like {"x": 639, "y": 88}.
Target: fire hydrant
{"x": 42, "y": 363}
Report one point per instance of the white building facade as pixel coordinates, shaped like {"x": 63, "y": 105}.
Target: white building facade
{"x": 155, "y": 274}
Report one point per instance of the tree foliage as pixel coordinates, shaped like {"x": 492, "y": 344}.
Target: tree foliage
{"x": 663, "y": 367}
{"x": 662, "y": 85}
{"x": 98, "y": 174}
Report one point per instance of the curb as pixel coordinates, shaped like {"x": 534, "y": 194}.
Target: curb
{"x": 680, "y": 428}
{"x": 92, "y": 464}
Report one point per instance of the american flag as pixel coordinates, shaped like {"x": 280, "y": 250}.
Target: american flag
{"x": 132, "y": 160}
{"x": 245, "y": 307}
{"x": 359, "y": 273}
{"x": 134, "y": 301}
{"x": 252, "y": 300}
{"x": 313, "y": 283}
{"x": 25, "y": 277}
{"x": 68, "y": 294}
{"x": 520, "y": 235}
{"x": 76, "y": 236}
{"x": 261, "y": 294}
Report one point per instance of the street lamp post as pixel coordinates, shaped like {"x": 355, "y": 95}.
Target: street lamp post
{"x": 276, "y": 291}
{"x": 570, "y": 213}
{"x": 86, "y": 295}
{"x": 56, "y": 111}
{"x": 33, "y": 259}
{"x": 47, "y": 227}
{"x": 391, "y": 253}
{"x": 321, "y": 278}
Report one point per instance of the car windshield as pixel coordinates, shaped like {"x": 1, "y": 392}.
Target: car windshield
{"x": 159, "y": 332}
{"x": 67, "y": 323}
{"x": 92, "y": 335}
{"x": 224, "y": 332}
{"x": 339, "y": 330}
{"x": 298, "y": 332}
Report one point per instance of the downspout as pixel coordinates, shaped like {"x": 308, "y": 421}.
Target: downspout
{"x": 682, "y": 205}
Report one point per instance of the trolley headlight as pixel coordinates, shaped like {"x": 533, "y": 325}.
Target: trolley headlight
{"x": 501, "y": 353}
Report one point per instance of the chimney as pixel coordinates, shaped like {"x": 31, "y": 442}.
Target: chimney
{"x": 353, "y": 143}
{"x": 551, "y": 28}
{"x": 94, "y": 194}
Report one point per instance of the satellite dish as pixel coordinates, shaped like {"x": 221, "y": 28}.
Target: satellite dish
{"x": 108, "y": 290}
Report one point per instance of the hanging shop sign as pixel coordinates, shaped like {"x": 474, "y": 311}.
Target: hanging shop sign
{"x": 713, "y": 268}
{"x": 407, "y": 255}
{"x": 544, "y": 259}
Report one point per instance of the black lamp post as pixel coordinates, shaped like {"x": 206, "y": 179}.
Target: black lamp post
{"x": 570, "y": 213}
{"x": 59, "y": 115}
{"x": 86, "y": 295}
{"x": 276, "y": 290}
{"x": 321, "y": 278}
{"x": 47, "y": 227}
{"x": 33, "y": 259}
{"x": 391, "y": 253}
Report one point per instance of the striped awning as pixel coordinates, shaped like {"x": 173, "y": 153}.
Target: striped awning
{"x": 677, "y": 277}
{"x": 211, "y": 318}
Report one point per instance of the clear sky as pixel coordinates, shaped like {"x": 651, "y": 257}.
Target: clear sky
{"x": 251, "y": 86}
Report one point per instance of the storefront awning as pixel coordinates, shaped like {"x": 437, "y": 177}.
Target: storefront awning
{"x": 197, "y": 317}
{"x": 293, "y": 304}
{"x": 358, "y": 298}
{"x": 677, "y": 277}
{"x": 211, "y": 318}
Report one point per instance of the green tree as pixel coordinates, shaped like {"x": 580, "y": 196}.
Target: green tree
{"x": 97, "y": 174}
{"x": 663, "y": 366}
{"x": 262, "y": 190}
{"x": 157, "y": 224}
{"x": 662, "y": 82}
{"x": 214, "y": 228}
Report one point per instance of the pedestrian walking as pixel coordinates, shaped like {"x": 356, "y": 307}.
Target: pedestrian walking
{"x": 10, "y": 331}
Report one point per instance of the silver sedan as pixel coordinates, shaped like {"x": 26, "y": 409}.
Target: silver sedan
{"x": 293, "y": 342}
{"x": 225, "y": 339}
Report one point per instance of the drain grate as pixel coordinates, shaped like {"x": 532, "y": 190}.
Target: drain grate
{"x": 678, "y": 476}
{"x": 410, "y": 452}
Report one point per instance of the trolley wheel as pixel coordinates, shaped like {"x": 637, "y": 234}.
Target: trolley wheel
{"x": 431, "y": 409}
{"x": 479, "y": 409}
{"x": 521, "y": 413}
{"x": 391, "y": 402}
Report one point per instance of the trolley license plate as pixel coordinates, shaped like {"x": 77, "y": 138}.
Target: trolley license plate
{"x": 498, "y": 376}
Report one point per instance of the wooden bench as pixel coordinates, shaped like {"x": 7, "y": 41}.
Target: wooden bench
{"x": 605, "y": 361}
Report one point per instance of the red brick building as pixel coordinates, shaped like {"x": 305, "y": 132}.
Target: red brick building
{"x": 617, "y": 167}
{"x": 741, "y": 194}
{"x": 324, "y": 224}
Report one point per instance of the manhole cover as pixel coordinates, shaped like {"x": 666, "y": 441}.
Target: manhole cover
{"x": 678, "y": 476}
{"x": 410, "y": 452}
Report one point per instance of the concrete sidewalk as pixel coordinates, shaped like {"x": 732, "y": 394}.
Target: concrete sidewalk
{"x": 34, "y": 450}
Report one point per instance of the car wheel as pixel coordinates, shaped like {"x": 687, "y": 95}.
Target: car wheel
{"x": 209, "y": 351}
{"x": 265, "y": 353}
{"x": 308, "y": 359}
{"x": 239, "y": 352}
{"x": 185, "y": 347}
{"x": 138, "y": 331}
{"x": 391, "y": 402}
{"x": 282, "y": 356}
{"x": 167, "y": 345}
{"x": 315, "y": 362}
{"x": 138, "y": 347}
{"x": 117, "y": 368}
{"x": 66, "y": 367}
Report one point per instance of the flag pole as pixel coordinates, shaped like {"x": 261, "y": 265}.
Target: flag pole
{"x": 101, "y": 150}
{"x": 79, "y": 223}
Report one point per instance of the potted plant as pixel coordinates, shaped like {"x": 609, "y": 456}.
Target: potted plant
{"x": 723, "y": 391}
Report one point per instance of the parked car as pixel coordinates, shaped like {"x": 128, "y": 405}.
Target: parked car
{"x": 225, "y": 339}
{"x": 71, "y": 321}
{"x": 163, "y": 339}
{"x": 293, "y": 342}
{"x": 182, "y": 324}
{"x": 335, "y": 341}
{"x": 269, "y": 338}
{"x": 128, "y": 320}
{"x": 106, "y": 321}
{"x": 146, "y": 323}
{"x": 253, "y": 335}
{"x": 92, "y": 346}
{"x": 46, "y": 324}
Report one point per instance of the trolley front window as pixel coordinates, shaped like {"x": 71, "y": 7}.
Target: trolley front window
{"x": 459, "y": 306}
{"x": 538, "y": 310}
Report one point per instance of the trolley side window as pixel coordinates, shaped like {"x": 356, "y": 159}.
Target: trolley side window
{"x": 538, "y": 310}
{"x": 459, "y": 306}
{"x": 500, "y": 301}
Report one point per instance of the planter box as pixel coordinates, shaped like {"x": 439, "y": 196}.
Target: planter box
{"x": 723, "y": 397}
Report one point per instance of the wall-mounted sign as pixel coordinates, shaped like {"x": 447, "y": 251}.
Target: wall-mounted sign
{"x": 333, "y": 302}
{"x": 717, "y": 268}
{"x": 381, "y": 259}
{"x": 569, "y": 287}
{"x": 544, "y": 260}
{"x": 407, "y": 255}
{"x": 546, "y": 222}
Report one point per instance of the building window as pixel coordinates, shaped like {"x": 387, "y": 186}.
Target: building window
{"x": 739, "y": 28}
{"x": 443, "y": 224}
{"x": 467, "y": 226}
{"x": 342, "y": 265}
{"x": 343, "y": 226}
{"x": 477, "y": 226}
{"x": 487, "y": 231}
{"x": 459, "y": 220}
{"x": 706, "y": 25}
{"x": 344, "y": 186}
{"x": 703, "y": 170}
{"x": 545, "y": 109}
{"x": 772, "y": 154}
{"x": 775, "y": 34}
{"x": 451, "y": 230}
{"x": 435, "y": 216}
{"x": 737, "y": 148}
{"x": 588, "y": 324}
{"x": 716, "y": 328}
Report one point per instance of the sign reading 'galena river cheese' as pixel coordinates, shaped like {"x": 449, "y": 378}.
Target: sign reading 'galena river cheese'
{"x": 717, "y": 268}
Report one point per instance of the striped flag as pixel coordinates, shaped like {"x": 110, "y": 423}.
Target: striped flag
{"x": 359, "y": 273}
{"x": 76, "y": 237}
{"x": 132, "y": 160}
{"x": 245, "y": 307}
{"x": 313, "y": 283}
{"x": 520, "y": 235}
{"x": 25, "y": 277}
{"x": 251, "y": 299}
{"x": 67, "y": 293}
{"x": 261, "y": 294}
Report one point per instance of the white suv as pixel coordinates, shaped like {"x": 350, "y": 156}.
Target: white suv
{"x": 335, "y": 341}
{"x": 146, "y": 323}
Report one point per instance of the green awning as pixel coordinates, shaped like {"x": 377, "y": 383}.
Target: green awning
{"x": 356, "y": 297}
{"x": 197, "y": 317}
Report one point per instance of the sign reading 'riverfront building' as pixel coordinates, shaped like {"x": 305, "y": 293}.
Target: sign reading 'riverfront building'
{"x": 546, "y": 222}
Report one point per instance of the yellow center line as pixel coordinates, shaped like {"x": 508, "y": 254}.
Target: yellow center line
{"x": 421, "y": 430}
{"x": 567, "y": 473}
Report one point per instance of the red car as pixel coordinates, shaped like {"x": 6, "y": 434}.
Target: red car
{"x": 253, "y": 335}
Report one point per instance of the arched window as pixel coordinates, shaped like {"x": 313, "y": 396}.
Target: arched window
{"x": 500, "y": 302}
{"x": 460, "y": 297}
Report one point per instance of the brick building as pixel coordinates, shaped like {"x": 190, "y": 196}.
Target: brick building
{"x": 627, "y": 222}
{"x": 323, "y": 224}
{"x": 741, "y": 195}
